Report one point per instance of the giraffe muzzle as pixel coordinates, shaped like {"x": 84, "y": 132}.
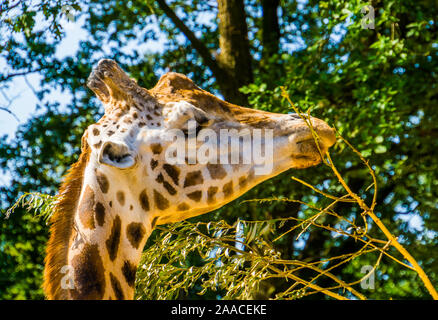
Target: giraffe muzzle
{"x": 307, "y": 148}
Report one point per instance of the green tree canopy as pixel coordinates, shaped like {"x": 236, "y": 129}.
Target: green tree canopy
{"x": 378, "y": 87}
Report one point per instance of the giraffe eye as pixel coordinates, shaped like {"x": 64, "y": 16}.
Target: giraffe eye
{"x": 202, "y": 120}
{"x": 197, "y": 130}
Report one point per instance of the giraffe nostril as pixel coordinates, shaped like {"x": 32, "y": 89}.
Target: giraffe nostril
{"x": 116, "y": 154}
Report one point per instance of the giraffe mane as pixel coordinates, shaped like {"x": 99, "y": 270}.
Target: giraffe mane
{"x": 62, "y": 226}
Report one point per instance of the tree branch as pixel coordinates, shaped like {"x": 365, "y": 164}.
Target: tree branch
{"x": 234, "y": 57}
{"x": 6, "y": 108}
{"x": 10, "y": 112}
{"x": 23, "y": 73}
{"x": 7, "y": 8}
{"x": 270, "y": 28}
{"x": 232, "y": 69}
{"x": 196, "y": 43}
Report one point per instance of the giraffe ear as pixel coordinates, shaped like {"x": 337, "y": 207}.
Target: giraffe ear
{"x": 116, "y": 154}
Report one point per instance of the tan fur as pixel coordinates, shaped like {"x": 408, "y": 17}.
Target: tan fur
{"x": 61, "y": 229}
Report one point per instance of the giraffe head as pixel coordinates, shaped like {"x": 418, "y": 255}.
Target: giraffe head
{"x": 188, "y": 151}
{"x": 163, "y": 155}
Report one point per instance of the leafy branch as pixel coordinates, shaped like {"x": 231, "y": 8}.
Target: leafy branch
{"x": 41, "y": 204}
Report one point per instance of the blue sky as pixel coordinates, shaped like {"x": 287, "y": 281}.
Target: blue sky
{"x": 20, "y": 90}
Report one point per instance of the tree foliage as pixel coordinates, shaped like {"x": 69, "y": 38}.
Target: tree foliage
{"x": 378, "y": 87}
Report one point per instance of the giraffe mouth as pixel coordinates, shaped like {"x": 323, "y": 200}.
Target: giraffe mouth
{"x": 308, "y": 147}
{"x": 307, "y": 153}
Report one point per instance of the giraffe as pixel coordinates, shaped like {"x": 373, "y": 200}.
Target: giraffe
{"x": 121, "y": 187}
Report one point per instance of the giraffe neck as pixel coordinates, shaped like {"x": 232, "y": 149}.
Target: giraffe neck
{"x": 110, "y": 233}
{"x": 97, "y": 237}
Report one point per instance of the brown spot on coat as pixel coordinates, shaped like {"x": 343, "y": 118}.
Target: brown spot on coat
{"x": 144, "y": 200}
{"x": 167, "y": 185}
{"x": 169, "y": 188}
{"x": 211, "y": 194}
{"x": 135, "y": 232}
{"x": 117, "y": 288}
{"x": 156, "y": 148}
{"x": 89, "y": 279}
{"x": 120, "y": 195}
{"x": 154, "y": 164}
{"x": 102, "y": 180}
{"x": 217, "y": 171}
{"x": 86, "y": 208}
{"x": 127, "y": 120}
{"x": 160, "y": 178}
{"x": 228, "y": 189}
{"x": 99, "y": 210}
{"x": 183, "y": 207}
{"x": 161, "y": 202}
{"x": 129, "y": 270}
{"x": 195, "y": 196}
{"x": 112, "y": 244}
{"x": 193, "y": 178}
{"x": 97, "y": 145}
{"x": 172, "y": 172}
{"x": 96, "y": 132}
